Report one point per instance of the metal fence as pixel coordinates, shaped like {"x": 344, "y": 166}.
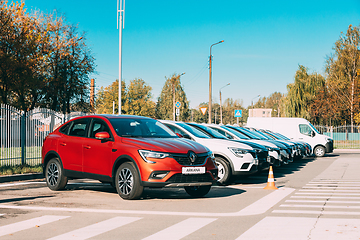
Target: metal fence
{"x": 22, "y": 133}
{"x": 345, "y": 137}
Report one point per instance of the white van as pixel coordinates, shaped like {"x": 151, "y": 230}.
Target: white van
{"x": 297, "y": 129}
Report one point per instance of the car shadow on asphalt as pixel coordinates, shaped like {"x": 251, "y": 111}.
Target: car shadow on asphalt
{"x": 20, "y": 199}
{"x": 156, "y": 193}
{"x": 282, "y": 171}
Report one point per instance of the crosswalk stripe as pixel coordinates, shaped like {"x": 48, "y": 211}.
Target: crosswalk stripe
{"x": 322, "y": 201}
{"x": 337, "y": 187}
{"x": 333, "y": 184}
{"x": 23, "y": 225}
{"x": 324, "y": 197}
{"x": 330, "y": 191}
{"x": 319, "y": 206}
{"x": 317, "y": 212}
{"x": 341, "y": 183}
{"x": 181, "y": 229}
{"x": 330, "y": 194}
{"x": 96, "y": 229}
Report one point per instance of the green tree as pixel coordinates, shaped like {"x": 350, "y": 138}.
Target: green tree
{"x": 229, "y": 108}
{"x": 302, "y": 92}
{"x": 165, "y": 103}
{"x": 342, "y": 72}
{"x": 105, "y": 98}
{"x": 138, "y": 99}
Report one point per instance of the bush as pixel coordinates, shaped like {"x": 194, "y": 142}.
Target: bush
{"x": 20, "y": 169}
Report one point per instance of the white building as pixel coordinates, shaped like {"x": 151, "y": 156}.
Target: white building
{"x": 260, "y": 112}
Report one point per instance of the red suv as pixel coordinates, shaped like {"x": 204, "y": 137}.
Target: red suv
{"x": 129, "y": 152}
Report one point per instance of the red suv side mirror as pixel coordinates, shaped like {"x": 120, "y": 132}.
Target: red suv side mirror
{"x": 102, "y": 135}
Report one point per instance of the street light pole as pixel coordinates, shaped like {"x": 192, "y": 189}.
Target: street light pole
{"x": 221, "y": 122}
{"x": 210, "y": 90}
{"x": 120, "y": 26}
{"x": 173, "y": 90}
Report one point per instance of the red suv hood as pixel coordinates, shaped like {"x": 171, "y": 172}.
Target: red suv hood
{"x": 171, "y": 145}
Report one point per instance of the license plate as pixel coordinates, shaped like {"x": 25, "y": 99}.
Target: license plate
{"x": 193, "y": 170}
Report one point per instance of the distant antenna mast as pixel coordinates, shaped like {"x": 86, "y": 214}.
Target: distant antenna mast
{"x": 120, "y": 26}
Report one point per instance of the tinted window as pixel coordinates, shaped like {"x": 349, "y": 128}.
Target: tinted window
{"x": 65, "y": 129}
{"x": 98, "y": 126}
{"x": 79, "y": 128}
{"x": 128, "y": 127}
{"x": 193, "y": 131}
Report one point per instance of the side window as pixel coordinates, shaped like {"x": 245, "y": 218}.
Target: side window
{"x": 98, "y": 126}
{"x": 305, "y": 129}
{"x": 223, "y": 133}
{"x": 65, "y": 129}
{"x": 79, "y": 128}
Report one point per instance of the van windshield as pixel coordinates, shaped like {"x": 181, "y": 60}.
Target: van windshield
{"x": 314, "y": 128}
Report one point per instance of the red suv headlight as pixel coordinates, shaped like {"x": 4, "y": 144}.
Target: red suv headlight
{"x": 145, "y": 154}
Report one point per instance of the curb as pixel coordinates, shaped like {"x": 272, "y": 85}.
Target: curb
{"x": 21, "y": 177}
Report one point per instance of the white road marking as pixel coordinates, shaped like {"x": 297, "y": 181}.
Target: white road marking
{"x": 341, "y": 194}
{"x": 320, "y": 206}
{"x": 337, "y": 187}
{"x": 325, "y": 197}
{"x": 330, "y": 191}
{"x": 258, "y": 207}
{"x": 96, "y": 229}
{"x": 317, "y": 212}
{"x": 284, "y": 228}
{"x": 23, "y": 225}
{"x": 321, "y": 201}
{"x": 181, "y": 229}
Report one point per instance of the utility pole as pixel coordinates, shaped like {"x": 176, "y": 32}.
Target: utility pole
{"x": 210, "y": 90}
{"x": 120, "y": 26}
{"x": 174, "y": 80}
{"x": 92, "y": 95}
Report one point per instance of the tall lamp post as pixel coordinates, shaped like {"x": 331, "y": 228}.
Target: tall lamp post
{"x": 174, "y": 79}
{"x": 210, "y": 103}
{"x": 120, "y": 25}
{"x": 252, "y": 106}
{"x": 220, "y": 103}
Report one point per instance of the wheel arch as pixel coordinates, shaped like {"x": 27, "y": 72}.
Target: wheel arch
{"x": 120, "y": 160}
{"x": 50, "y": 155}
{"x": 225, "y": 158}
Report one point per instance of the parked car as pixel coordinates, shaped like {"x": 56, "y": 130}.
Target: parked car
{"x": 129, "y": 152}
{"x": 232, "y": 158}
{"x": 290, "y": 148}
{"x": 278, "y": 155}
{"x": 262, "y": 153}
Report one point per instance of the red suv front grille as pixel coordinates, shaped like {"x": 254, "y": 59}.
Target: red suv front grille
{"x": 184, "y": 159}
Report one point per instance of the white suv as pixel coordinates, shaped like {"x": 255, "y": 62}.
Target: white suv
{"x": 232, "y": 158}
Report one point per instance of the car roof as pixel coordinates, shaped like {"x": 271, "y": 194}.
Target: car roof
{"x": 113, "y": 116}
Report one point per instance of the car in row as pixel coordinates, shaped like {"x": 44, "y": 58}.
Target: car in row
{"x": 130, "y": 153}
{"x": 265, "y": 149}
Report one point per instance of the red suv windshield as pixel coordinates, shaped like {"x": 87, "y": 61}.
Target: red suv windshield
{"x": 145, "y": 128}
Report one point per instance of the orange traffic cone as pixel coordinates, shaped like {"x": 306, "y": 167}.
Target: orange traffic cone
{"x": 271, "y": 182}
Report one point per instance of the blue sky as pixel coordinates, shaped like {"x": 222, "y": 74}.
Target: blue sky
{"x": 264, "y": 41}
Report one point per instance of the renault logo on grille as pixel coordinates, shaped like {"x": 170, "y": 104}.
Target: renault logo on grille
{"x": 192, "y": 157}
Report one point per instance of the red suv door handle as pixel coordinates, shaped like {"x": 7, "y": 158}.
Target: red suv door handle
{"x": 87, "y": 147}
{"x": 62, "y": 144}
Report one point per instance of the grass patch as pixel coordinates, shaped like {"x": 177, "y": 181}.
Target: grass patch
{"x": 20, "y": 169}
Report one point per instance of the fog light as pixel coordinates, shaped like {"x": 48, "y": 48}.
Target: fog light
{"x": 158, "y": 174}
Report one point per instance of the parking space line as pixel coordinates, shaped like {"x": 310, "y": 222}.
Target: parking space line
{"x": 181, "y": 229}
{"x": 96, "y": 229}
{"x": 19, "y": 184}
{"x": 23, "y": 225}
